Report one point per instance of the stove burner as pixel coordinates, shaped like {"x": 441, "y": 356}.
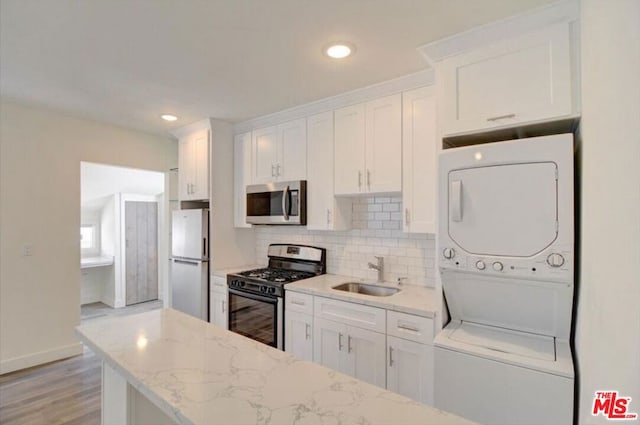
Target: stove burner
{"x": 277, "y": 275}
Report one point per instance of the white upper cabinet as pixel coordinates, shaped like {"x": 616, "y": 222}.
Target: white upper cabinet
{"x": 419, "y": 153}
{"x": 241, "y": 177}
{"x": 518, "y": 80}
{"x": 368, "y": 146}
{"x": 280, "y": 152}
{"x": 324, "y": 211}
{"x": 193, "y": 167}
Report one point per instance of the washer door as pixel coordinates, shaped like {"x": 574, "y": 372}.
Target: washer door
{"x": 504, "y": 210}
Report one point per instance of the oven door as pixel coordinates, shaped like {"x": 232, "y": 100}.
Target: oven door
{"x": 257, "y": 317}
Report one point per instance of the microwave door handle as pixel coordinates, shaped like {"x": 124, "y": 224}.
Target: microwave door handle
{"x": 456, "y": 200}
{"x": 285, "y": 206}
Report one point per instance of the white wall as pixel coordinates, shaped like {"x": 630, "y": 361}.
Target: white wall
{"x": 608, "y": 318}
{"x": 376, "y": 231}
{"x": 40, "y": 155}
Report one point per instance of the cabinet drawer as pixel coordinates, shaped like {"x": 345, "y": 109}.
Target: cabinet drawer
{"x": 358, "y": 315}
{"x": 408, "y": 326}
{"x": 295, "y": 301}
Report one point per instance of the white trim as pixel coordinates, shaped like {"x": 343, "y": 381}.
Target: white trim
{"x": 39, "y": 358}
{"x": 374, "y": 91}
{"x": 196, "y": 126}
{"x": 562, "y": 11}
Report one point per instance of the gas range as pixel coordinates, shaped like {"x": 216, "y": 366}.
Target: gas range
{"x": 256, "y": 307}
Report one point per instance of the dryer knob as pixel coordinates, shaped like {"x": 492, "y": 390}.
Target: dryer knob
{"x": 555, "y": 260}
{"x": 480, "y": 265}
{"x": 448, "y": 253}
{"x": 497, "y": 266}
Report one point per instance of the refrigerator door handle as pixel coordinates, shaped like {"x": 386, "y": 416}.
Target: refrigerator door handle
{"x": 205, "y": 248}
{"x": 193, "y": 263}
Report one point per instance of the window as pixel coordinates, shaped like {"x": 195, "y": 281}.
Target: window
{"x": 89, "y": 239}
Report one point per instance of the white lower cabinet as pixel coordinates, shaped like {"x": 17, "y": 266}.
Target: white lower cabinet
{"x": 350, "y": 350}
{"x": 219, "y": 303}
{"x": 386, "y": 348}
{"x": 409, "y": 369}
{"x": 298, "y": 335}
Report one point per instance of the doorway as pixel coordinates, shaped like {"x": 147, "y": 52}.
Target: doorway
{"x": 124, "y": 237}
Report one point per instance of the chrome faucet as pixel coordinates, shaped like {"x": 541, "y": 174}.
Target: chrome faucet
{"x": 379, "y": 267}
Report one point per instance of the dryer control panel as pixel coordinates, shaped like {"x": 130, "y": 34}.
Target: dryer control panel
{"x": 553, "y": 264}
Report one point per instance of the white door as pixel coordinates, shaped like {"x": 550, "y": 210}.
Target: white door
{"x": 200, "y": 149}
{"x": 328, "y": 344}
{"x": 349, "y": 150}
{"x": 298, "y": 333}
{"x": 141, "y": 251}
{"x": 319, "y": 170}
{"x": 241, "y": 177}
{"x": 292, "y": 162}
{"x": 366, "y": 356}
{"x": 383, "y": 137}
{"x": 419, "y": 169}
{"x": 218, "y": 302}
{"x": 410, "y": 369}
{"x": 265, "y": 154}
{"x": 505, "y": 210}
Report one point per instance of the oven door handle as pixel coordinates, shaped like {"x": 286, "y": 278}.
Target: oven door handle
{"x": 253, "y": 296}
{"x": 285, "y": 203}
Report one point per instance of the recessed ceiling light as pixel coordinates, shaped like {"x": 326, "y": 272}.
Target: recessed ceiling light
{"x": 339, "y": 50}
{"x": 168, "y": 117}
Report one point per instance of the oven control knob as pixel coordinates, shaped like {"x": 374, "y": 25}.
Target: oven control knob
{"x": 234, "y": 283}
{"x": 242, "y": 284}
{"x": 272, "y": 290}
{"x": 448, "y": 253}
{"x": 480, "y": 265}
{"x": 263, "y": 289}
{"x": 555, "y": 260}
{"x": 497, "y": 266}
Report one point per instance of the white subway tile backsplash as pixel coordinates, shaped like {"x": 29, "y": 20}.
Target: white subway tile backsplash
{"x": 376, "y": 231}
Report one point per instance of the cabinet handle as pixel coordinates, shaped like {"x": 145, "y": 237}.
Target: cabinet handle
{"x": 339, "y": 341}
{"x": 307, "y": 331}
{"x": 273, "y": 170}
{"x": 359, "y": 179}
{"x": 390, "y": 356}
{"x": 224, "y": 306}
{"x": 406, "y": 215}
{"x": 278, "y": 170}
{"x": 408, "y": 328}
{"x": 349, "y": 344}
{"x": 328, "y": 216}
{"x": 369, "y": 179}
{"x": 296, "y": 302}
{"x": 501, "y": 117}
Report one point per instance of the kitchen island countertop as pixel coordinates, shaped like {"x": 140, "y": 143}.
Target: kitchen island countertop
{"x": 198, "y": 373}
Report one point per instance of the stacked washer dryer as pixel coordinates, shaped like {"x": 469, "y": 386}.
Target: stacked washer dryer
{"x": 506, "y": 239}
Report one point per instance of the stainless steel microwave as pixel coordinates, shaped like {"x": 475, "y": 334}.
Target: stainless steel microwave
{"x": 277, "y": 203}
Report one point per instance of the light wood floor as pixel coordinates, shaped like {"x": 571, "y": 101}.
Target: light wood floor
{"x": 63, "y": 392}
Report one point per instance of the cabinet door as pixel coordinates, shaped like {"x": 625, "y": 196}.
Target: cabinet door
{"x": 419, "y": 151}
{"x": 410, "y": 369}
{"x": 241, "y": 177}
{"x": 292, "y": 153}
{"x": 366, "y": 355}
{"x": 185, "y": 168}
{"x": 384, "y": 145}
{"x": 298, "y": 334}
{"x": 349, "y": 150}
{"x": 200, "y": 149}
{"x": 328, "y": 344}
{"x": 218, "y": 304}
{"x": 265, "y": 154}
{"x": 319, "y": 170}
{"x": 515, "y": 81}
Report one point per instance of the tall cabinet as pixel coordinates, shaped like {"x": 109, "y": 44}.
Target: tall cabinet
{"x": 193, "y": 165}
{"x": 242, "y": 166}
{"x": 419, "y": 154}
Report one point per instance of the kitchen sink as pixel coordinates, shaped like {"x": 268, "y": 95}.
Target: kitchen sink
{"x": 367, "y": 289}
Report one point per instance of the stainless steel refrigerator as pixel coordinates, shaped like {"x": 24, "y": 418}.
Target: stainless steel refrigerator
{"x": 190, "y": 262}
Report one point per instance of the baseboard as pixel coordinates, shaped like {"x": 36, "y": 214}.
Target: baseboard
{"x": 42, "y": 357}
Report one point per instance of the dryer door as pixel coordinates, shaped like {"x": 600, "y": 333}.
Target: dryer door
{"x": 504, "y": 210}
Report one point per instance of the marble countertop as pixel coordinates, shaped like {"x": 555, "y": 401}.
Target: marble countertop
{"x": 198, "y": 373}
{"x": 413, "y": 299}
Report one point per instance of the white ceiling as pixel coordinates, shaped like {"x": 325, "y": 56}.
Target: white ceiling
{"x": 98, "y": 182}
{"x": 126, "y": 62}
